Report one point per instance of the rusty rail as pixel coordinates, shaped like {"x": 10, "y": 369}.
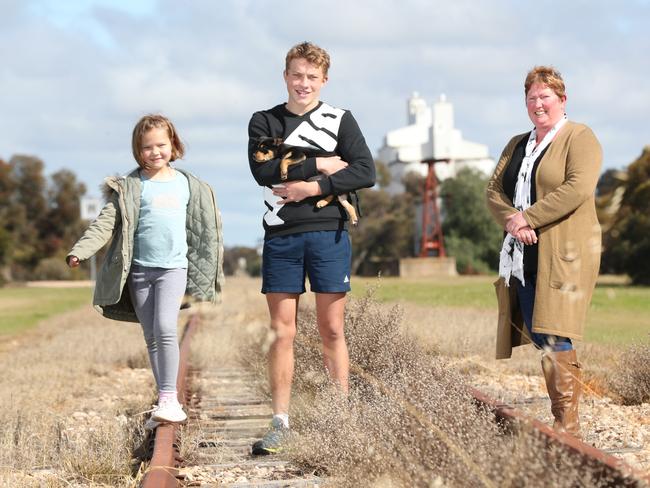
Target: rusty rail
{"x": 605, "y": 466}
{"x": 164, "y": 464}
{"x": 616, "y": 472}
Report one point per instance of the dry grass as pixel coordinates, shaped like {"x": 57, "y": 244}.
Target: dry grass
{"x": 409, "y": 420}
{"x": 631, "y": 378}
{"x": 468, "y": 337}
{"x": 225, "y": 328}
{"x": 228, "y": 328}
{"x": 190, "y": 437}
{"x": 67, "y": 413}
{"x": 454, "y": 332}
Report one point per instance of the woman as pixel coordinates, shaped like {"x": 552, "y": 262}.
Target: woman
{"x": 542, "y": 194}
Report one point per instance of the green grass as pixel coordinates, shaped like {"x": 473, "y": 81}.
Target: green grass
{"x": 619, "y": 314}
{"x": 461, "y": 291}
{"x": 22, "y": 308}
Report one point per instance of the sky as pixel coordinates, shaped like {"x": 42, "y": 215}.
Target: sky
{"x": 76, "y": 75}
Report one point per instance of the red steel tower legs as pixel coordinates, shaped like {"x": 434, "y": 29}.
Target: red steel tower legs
{"x": 432, "y": 243}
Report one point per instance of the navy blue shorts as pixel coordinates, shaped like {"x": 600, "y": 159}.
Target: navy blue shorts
{"x": 323, "y": 256}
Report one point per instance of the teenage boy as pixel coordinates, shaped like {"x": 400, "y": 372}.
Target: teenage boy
{"x": 301, "y": 239}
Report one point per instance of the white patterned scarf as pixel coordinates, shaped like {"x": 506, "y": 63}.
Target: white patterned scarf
{"x": 511, "y": 259}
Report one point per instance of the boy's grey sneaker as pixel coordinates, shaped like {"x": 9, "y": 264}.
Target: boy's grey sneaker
{"x": 272, "y": 441}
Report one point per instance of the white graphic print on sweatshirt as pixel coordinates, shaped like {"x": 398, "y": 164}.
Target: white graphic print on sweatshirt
{"x": 319, "y": 133}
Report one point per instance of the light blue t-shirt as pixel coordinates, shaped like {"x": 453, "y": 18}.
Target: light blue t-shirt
{"x": 161, "y": 237}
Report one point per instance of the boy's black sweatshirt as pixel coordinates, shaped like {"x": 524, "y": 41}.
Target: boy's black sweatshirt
{"x": 327, "y": 129}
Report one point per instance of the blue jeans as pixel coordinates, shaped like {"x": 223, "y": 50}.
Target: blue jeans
{"x": 526, "y": 295}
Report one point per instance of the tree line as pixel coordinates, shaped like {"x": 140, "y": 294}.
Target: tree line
{"x": 623, "y": 200}
{"x": 41, "y": 220}
{"x": 388, "y": 228}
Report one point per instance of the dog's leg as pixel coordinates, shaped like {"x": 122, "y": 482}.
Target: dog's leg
{"x": 343, "y": 200}
{"x": 349, "y": 208}
{"x": 288, "y": 160}
{"x": 324, "y": 201}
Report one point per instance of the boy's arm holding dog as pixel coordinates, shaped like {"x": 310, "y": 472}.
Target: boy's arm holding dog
{"x": 360, "y": 169}
{"x": 295, "y": 191}
{"x": 268, "y": 174}
{"x": 354, "y": 170}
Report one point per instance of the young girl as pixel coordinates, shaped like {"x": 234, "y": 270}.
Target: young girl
{"x": 166, "y": 239}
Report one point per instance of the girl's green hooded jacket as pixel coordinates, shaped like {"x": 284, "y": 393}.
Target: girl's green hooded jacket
{"x": 118, "y": 221}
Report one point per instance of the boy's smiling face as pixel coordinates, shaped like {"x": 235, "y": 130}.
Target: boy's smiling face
{"x": 304, "y": 82}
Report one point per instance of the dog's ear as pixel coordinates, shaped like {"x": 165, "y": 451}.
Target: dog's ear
{"x": 269, "y": 142}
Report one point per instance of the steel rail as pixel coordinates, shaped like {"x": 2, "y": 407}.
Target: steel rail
{"x": 606, "y": 467}
{"x": 612, "y": 471}
{"x": 165, "y": 461}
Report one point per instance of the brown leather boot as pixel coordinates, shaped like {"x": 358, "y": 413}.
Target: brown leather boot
{"x": 562, "y": 374}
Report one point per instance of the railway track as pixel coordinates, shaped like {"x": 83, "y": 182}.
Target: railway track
{"x": 606, "y": 466}
{"x": 231, "y": 414}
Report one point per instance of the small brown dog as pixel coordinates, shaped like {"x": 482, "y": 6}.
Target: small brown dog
{"x": 274, "y": 147}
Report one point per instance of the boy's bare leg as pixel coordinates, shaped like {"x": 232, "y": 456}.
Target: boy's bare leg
{"x": 329, "y": 312}
{"x": 283, "y": 308}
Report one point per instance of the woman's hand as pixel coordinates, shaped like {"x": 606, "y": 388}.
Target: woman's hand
{"x": 515, "y": 222}
{"x": 295, "y": 191}
{"x": 526, "y": 235}
{"x": 73, "y": 261}
{"x": 330, "y": 165}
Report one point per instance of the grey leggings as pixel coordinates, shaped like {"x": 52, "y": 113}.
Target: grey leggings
{"x": 156, "y": 294}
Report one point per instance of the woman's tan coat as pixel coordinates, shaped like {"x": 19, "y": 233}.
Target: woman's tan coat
{"x": 569, "y": 237}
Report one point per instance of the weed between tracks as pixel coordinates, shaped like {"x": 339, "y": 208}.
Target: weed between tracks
{"x": 408, "y": 421}
{"x": 631, "y": 378}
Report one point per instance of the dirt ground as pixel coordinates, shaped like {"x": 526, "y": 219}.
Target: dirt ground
{"x": 98, "y": 380}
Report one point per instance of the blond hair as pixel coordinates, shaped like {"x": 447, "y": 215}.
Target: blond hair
{"x": 546, "y": 75}
{"x": 312, "y": 53}
{"x": 155, "y": 121}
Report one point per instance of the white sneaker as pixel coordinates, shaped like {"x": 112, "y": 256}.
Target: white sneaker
{"x": 169, "y": 412}
{"x": 151, "y": 424}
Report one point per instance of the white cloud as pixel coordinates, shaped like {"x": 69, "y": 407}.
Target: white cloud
{"x": 75, "y": 81}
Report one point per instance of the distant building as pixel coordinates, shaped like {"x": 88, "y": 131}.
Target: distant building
{"x": 430, "y": 134}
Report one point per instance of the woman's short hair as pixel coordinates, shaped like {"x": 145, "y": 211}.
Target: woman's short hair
{"x": 312, "y": 53}
{"x": 546, "y": 75}
{"x": 155, "y": 121}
